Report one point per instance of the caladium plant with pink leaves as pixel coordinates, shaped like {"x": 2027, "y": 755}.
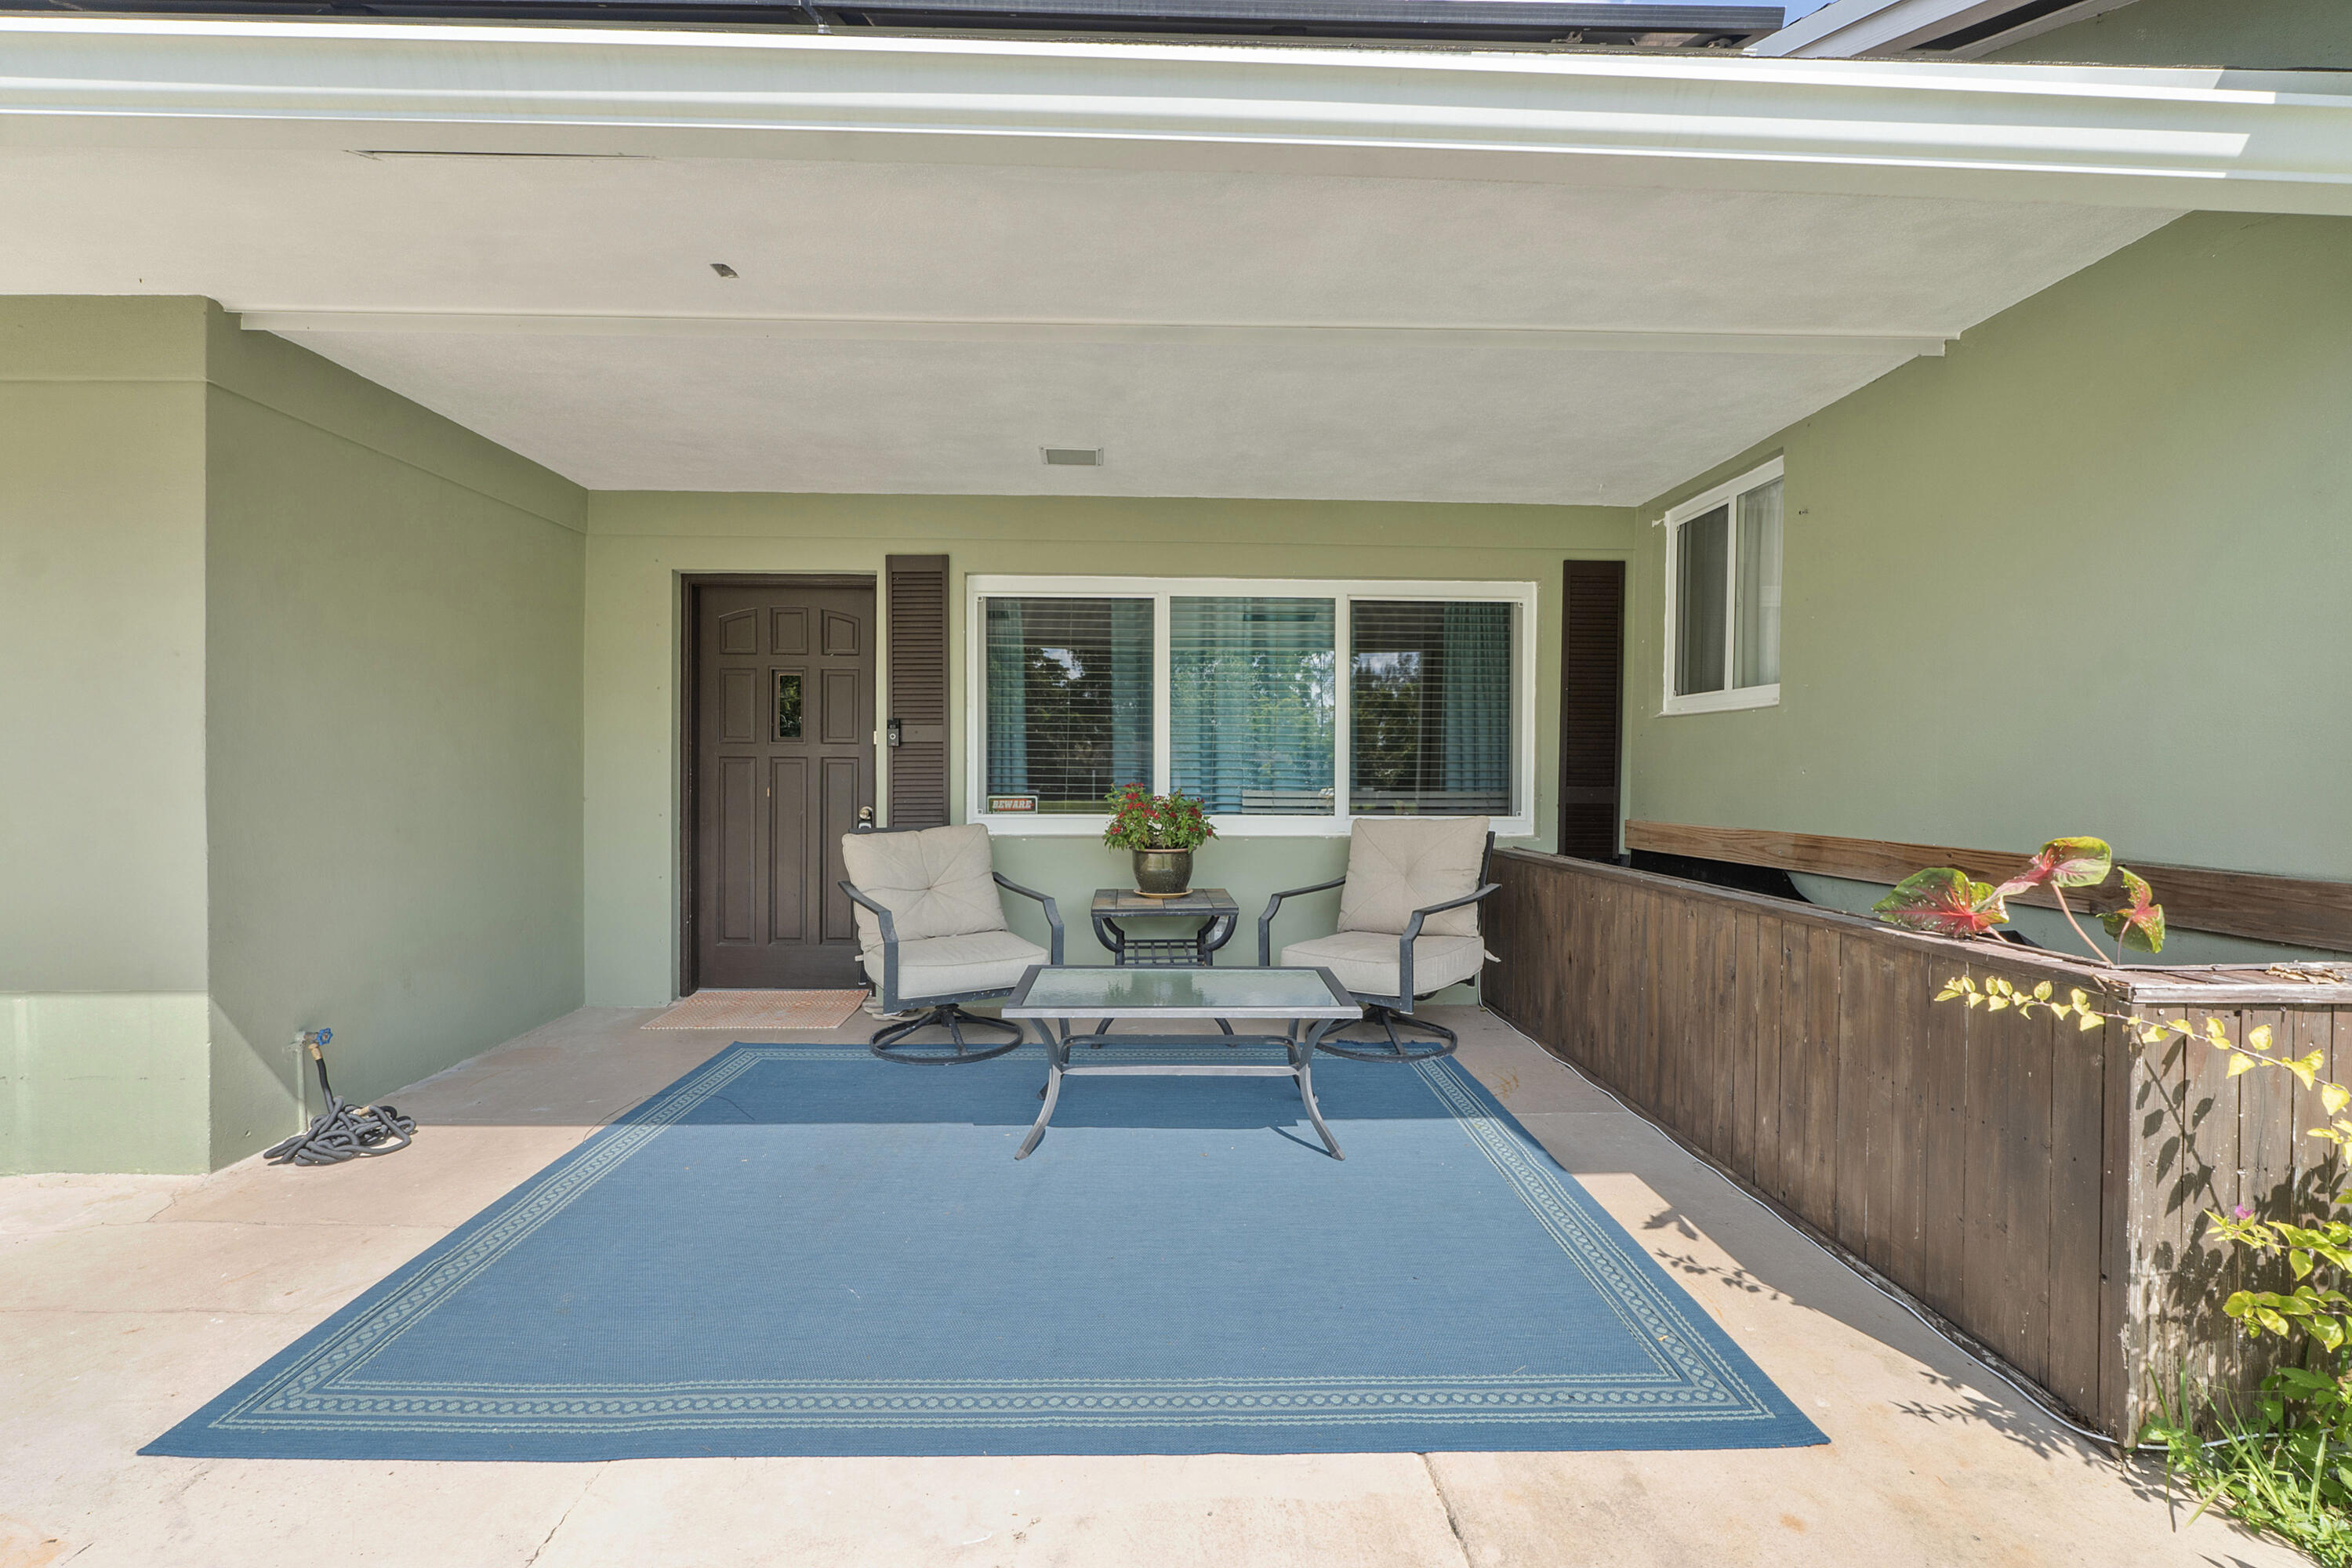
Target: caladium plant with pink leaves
{"x": 2139, "y": 923}
{"x": 1943, "y": 902}
{"x": 1946, "y": 901}
{"x": 2065, "y": 863}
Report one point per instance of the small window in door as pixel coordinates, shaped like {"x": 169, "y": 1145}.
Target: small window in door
{"x": 788, "y": 705}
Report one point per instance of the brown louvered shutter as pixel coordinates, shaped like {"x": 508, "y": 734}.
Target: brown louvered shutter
{"x": 1591, "y": 676}
{"x": 917, "y": 591}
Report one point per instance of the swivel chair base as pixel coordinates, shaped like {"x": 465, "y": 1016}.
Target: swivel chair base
{"x": 891, "y": 1045}
{"x": 1398, "y": 1049}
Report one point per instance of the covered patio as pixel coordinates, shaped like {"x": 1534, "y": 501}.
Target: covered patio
{"x": 130, "y": 1298}
{"x": 490, "y": 511}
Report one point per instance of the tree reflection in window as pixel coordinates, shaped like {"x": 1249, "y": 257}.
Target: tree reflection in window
{"x": 788, "y": 705}
{"x": 1069, "y": 699}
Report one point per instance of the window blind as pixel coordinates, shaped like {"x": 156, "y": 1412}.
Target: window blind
{"x": 1251, "y": 696}
{"x": 1069, "y": 699}
{"x": 1431, "y": 700}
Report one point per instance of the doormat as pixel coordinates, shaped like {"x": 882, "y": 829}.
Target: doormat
{"x": 797, "y": 1250}
{"x": 761, "y": 1012}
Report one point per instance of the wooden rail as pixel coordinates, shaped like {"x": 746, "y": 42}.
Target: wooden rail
{"x": 2296, "y": 909}
{"x": 2041, "y": 1188}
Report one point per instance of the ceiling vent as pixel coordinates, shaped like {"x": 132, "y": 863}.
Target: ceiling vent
{"x": 1073, "y": 457}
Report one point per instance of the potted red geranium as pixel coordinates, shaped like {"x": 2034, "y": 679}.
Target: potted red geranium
{"x": 1161, "y": 831}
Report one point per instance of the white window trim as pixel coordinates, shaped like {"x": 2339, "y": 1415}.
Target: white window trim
{"x": 1343, "y": 592}
{"x": 1731, "y": 697}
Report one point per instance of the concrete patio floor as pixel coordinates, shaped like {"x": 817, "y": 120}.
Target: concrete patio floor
{"x": 126, "y": 1301}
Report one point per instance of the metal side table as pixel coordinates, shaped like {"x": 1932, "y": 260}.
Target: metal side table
{"x": 1213, "y": 907}
{"x": 1294, "y": 997}
{"x": 1215, "y": 910}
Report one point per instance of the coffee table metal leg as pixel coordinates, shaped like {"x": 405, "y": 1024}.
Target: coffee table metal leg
{"x": 1057, "y": 1057}
{"x": 1044, "y": 1112}
{"x": 1302, "y": 1068}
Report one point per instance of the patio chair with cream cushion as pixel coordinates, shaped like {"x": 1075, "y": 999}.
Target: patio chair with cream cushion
{"x": 932, "y": 936}
{"x": 1408, "y": 926}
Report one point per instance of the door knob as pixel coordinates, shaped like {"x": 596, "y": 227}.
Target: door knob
{"x": 866, "y": 817}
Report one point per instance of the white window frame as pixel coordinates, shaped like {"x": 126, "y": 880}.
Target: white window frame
{"x": 1342, "y": 592}
{"x": 1731, "y": 697}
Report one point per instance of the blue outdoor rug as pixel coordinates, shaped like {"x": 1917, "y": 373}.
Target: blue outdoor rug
{"x": 799, "y": 1249}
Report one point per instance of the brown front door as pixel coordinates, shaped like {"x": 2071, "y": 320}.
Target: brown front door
{"x": 783, "y": 753}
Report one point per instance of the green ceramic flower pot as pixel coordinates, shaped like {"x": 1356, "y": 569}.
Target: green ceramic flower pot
{"x": 1162, "y": 871}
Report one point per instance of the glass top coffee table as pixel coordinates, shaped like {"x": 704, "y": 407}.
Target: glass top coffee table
{"x": 1292, "y": 997}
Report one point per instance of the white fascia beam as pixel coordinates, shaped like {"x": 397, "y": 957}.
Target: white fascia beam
{"x": 1242, "y": 334}
{"x": 1853, "y": 29}
{"x": 2140, "y": 138}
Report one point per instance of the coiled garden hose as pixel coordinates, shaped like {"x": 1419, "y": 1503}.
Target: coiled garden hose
{"x": 343, "y": 1131}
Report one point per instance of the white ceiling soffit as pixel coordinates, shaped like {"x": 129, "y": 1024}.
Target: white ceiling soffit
{"x": 960, "y": 418}
{"x": 2176, "y": 139}
{"x": 1853, "y": 29}
{"x": 1339, "y": 274}
{"x": 925, "y": 327}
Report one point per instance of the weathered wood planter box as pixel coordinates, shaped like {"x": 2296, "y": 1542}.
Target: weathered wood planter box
{"x": 2040, "y": 1186}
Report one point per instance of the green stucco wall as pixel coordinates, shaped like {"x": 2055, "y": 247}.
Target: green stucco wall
{"x": 2257, "y": 35}
{"x": 2087, "y": 572}
{"x": 102, "y": 950}
{"x": 640, "y": 545}
{"x": 393, "y": 748}
{"x": 293, "y": 735}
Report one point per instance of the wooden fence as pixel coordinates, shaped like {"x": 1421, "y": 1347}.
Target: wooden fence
{"x": 2042, "y": 1187}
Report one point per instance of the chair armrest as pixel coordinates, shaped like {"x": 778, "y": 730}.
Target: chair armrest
{"x": 890, "y": 944}
{"x": 1412, "y": 930}
{"x": 1053, "y": 911}
{"x": 1265, "y": 921}
{"x": 1413, "y": 926}
{"x": 881, "y": 913}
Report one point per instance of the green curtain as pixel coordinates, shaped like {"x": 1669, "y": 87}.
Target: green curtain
{"x": 1129, "y": 647}
{"x": 1475, "y": 725}
{"x": 1432, "y": 725}
{"x": 1008, "y": 705}
{"x": 1251, "y": 701}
